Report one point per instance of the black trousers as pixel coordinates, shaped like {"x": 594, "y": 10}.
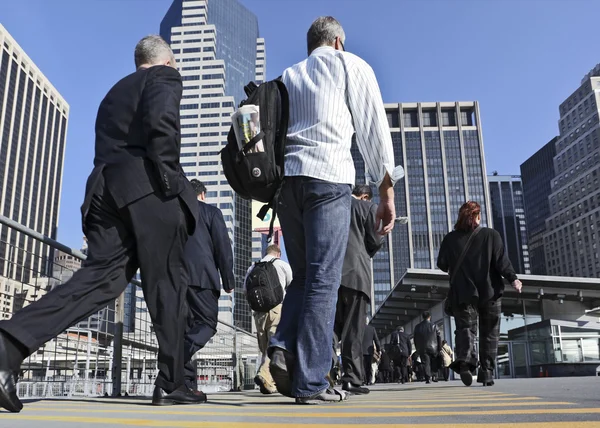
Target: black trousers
{"x": 430, "y": 364}
{"x": 202, "y": 326}
{"x": 466, "y": 316}
{"x": 401, "y": 368}
{"x": 149, "y": 234}
{"x": 349, "y": 326}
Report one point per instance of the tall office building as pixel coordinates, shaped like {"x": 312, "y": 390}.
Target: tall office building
{"x": 571, "y": 241}
{"x": 537, "y": 173}
{"x": 218, "y": 51}
{"x": 508, "y": 218}
{"x": 33, "y": 129}
{"x": 440, "y": 147}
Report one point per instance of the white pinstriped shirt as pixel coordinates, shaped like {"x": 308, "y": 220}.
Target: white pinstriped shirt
{"x": 332, "y": 95}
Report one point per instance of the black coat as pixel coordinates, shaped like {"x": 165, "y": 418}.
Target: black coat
{"x": 384, "y": 363}
{"x": 363, "y": 243}
{"x": 401, "y": 341}
{"x": 208, "y": 251}
{"x": 480, "y": 275}
{"x": 427, "y": 338}
{"x": 369, "y": 337}
{"x": 138, "y": 141}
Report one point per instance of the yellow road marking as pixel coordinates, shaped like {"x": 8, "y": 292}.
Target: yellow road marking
{"x": 302, "y": 408}
{"x": 208, "y": 424}
{"x": 342, "y": 414}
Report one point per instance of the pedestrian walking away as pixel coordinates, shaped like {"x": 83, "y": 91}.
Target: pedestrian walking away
{"x": 401, "y": 349}
{"x": 267, "y": 322}
{"x": 370, "y": 345}
{"x": 428, "y": 342}
{"x": 355, "y": 290}
{"x": 446, "y": 354}
{"x": 209, "y": 263}
{"x": 476, "y": 260}
{"x": 333, "y": 95}
{"x": 137, "y": 212}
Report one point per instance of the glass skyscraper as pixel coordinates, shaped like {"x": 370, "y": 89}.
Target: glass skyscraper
{"x": 537, "y": 174}
{"x": 508, "y": 214}
{"x": 571, "y": 238}
{"x": 440, "y": 147}
{"x": 33, "y": 129}
{"x": 218, "y": 51}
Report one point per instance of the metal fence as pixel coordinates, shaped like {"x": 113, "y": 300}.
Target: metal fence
{"x": 113, "y": 352}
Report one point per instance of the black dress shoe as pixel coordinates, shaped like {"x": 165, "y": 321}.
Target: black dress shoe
{"x": 282, "y": 368}
{"x": 8, "y": 392}
{"x": 347, "y": 386}
{"x": 182, "y": 395}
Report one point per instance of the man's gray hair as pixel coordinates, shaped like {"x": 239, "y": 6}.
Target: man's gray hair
{"x": 151, "y": 50}
{"x": 323, "y": 32}
{"x": 401, "y": 329}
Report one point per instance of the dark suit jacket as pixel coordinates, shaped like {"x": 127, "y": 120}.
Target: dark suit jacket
{"x": 363, "y": 243}
{"x": 368, "y": 339}
{"x": 138, "y": 141}
{"x": 427, "y": 337}
{"x": 208, "y": 251}
{"x": 402, "y": 341}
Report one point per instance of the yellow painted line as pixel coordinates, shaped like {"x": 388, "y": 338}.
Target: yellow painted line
{"x": 357, "y": 405}
{"x": 344, "y": 414}
{"x": 208, "y": 424}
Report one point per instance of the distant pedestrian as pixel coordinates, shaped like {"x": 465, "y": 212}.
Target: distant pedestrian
{"x": 267, "y": 322}
{"x": 446, "y": 355}
{"x": 209, "y": 262}
{"x": 370, "y": 345}
{"x": 401, "y": 349}
{"x": 333, "y": 95}
{"x": 476, "y": 260}
{"x": 428, "y": 343}
{"x": 385, "y": 366}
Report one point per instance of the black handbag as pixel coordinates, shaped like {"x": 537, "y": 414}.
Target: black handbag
{"x": 448, "y": 310}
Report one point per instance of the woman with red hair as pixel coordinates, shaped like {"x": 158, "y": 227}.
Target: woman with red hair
{"x": 474, "y": 257}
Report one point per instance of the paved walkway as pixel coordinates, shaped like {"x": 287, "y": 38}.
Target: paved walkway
{"x": 527, "y": 403}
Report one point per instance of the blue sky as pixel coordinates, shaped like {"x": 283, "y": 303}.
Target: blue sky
{"x": 518, "y": 58}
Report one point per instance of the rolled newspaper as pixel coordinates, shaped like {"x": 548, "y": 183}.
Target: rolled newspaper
{"x": 246, "y": 125}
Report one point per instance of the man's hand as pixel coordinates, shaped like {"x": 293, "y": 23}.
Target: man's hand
{"x": 229, "y": 291}
{"x": 517, "y": 285}
{"x": 386, "y": 211}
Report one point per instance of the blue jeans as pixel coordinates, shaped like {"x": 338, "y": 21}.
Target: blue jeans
{"x": 315, "y": 221}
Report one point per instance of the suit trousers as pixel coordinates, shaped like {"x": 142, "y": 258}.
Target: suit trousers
{"x": 489, "y": 314}
{"x": 349, "y": 326}
{"x": 266, "y": 326}
{"x": 202, "y": 326}
{"x": 430, "y": 364}
{"x": 401, "y": 368}
{"x": 148, "y": 234}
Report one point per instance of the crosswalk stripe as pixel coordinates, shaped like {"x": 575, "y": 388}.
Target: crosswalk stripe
{"x": 209, "y": 424}
{"x": 341, "y": 413}
{"x": 354, "y": 405}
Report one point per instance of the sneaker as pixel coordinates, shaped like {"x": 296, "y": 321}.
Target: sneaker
{"x": 330, "y": 395}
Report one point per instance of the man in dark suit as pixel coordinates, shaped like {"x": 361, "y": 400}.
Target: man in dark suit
{"x": 209, "y": 262}
{"x": 354, "y": 294}
{"x": 137, "y": 213}
{"x": 370, "y": 345}
{"x": 401, "y": 350}
{"x": 428, "y": 342}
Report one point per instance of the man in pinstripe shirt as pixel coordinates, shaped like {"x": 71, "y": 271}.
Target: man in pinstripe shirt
{"x": 333, "y": 94}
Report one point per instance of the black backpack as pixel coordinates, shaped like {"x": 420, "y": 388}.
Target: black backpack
{"x": 259, "y": 176}
{"x": 263, "y": 288}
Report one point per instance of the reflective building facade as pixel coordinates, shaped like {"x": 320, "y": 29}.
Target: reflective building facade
{"x": 218, "y": 51}
{"x": 33, "y": 130}
{"x": 508, "y": 214}
{"x": 571, "y": 238}
{"x": 440, "y": 147}
{"x": 537, "y": 174}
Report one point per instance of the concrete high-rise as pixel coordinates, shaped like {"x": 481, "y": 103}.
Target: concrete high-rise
{"x": 33, "y": 130}
{"x": 440, "y": 147}
{"x": 508, "y": 218}
{"x": 537, "y": 173}
{"x": 571, "y": 238}
{"x": 218, "y": 50}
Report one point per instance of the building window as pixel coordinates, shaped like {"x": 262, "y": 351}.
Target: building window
{"x": 429, "y": 118}
{"x": 393, "y": 118}
{"x": 449, "y": 117}
{"x": 410, "y": 119}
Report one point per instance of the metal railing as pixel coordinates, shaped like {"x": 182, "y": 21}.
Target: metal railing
{"x": 113, "y": 352}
